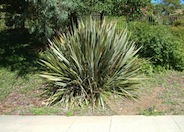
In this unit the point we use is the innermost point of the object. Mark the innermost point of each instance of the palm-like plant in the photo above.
(90, 64)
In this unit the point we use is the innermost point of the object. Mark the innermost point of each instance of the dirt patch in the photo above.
(17, 100)
(147, 100)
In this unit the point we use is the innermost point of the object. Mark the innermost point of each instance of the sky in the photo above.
(158, 1)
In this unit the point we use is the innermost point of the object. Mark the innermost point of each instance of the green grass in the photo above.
(11, 82)
(45, 110)
(166, 79)
(7, 81)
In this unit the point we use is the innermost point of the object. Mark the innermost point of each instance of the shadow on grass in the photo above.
(17, 51)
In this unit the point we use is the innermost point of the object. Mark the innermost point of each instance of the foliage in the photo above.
(120, 21)
(159, 45)
(132, 9)
(169, 6)
(147, 68)
(178, 60)
(87, 66)
(41, 17)
(179, 24)
(18, 51)
(154, 16)
(48, 16)
(89, 6)
(14, 12)
(167, 11)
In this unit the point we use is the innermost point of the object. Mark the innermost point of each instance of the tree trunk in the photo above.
(101, 17)
(73, 21)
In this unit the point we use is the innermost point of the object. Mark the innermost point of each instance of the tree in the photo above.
(169, 6)
(49, 16)
(15, 12)
(95, 7)
(132, 9)
(42, 17)
(167, 10)
(90, 6)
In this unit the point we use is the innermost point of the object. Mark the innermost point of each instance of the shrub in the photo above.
(158, 44)
(147, 67)
(85, 67)
(179, 22)
(178, 59)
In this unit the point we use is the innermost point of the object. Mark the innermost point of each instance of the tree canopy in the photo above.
(15, 12)
(44, 17)
(50, 15)
(169, 6)
(132, 9)
(89, 6)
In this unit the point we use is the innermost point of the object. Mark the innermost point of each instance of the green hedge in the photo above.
(159, 44)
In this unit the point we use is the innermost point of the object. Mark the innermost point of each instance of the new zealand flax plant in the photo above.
(90, 64)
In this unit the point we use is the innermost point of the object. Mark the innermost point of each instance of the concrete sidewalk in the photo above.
(91, 124)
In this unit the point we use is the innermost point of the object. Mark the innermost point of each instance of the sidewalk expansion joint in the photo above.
(110, 124)
(71, 124)
(177, 124)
